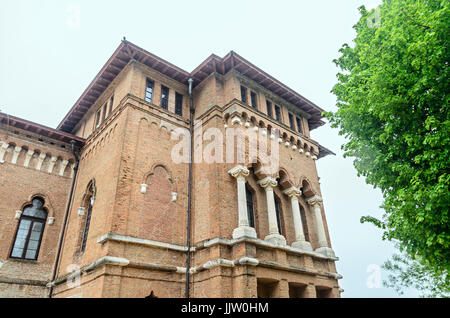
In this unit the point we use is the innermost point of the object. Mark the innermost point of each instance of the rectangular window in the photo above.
(105, 108)
(277, 113)
(178, 104)
(299, 125)
(244, 94)
(97, 118)
(253, 100)
(291, 121)
(111, 102)
(269, 109)
(149, 90)
(164, 97)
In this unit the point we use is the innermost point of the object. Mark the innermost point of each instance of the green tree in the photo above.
(405, 273)
(393, 102)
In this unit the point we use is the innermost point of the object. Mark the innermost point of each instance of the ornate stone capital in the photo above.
(268, 183)
(293, 192)
(239, 172)
(314, 200)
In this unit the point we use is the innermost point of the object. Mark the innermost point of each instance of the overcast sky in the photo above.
(51, 50)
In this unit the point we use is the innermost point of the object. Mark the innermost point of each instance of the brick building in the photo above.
(99, 207)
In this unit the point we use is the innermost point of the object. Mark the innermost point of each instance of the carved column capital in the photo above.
(268, 183)
(239, 172)
(314, 200)
(293, 192)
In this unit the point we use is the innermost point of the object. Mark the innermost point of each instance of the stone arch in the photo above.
(158, 209)
(226, 117)
(284, 179)
(90, 191)
(152, 171)
(292, 140)
(262, 124)
(48, 206)
(306, 187)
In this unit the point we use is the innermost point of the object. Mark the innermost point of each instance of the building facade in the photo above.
(108, 204)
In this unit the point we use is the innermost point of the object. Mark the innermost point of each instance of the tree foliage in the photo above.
(393, 102)
(405, 273)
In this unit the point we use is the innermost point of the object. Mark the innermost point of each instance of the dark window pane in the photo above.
(250, 212)
(299, 126)
(269, 109)
(253, 99)
(277, 113)
(164, 97)
(278, 212)
(111, 102)
(244, 94)
(86, 226)
(105, 108)
(291, 121)
(97, 118)
(149, 91)
(178, 104)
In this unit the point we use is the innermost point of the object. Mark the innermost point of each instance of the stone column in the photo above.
(300, 241)
(315, 202)
(274, 236)
(16, 154)
(243, 229)
(3, 149)
(28, 157)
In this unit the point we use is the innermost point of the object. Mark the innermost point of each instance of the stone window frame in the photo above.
(87, 203)
(48, 215)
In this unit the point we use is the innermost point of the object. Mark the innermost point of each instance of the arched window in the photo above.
(29, 232)
(89, 203)
(278, 211)
(250, 207)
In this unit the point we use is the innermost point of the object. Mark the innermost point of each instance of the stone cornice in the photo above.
(134, 240)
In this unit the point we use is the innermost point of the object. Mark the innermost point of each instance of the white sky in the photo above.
(48, 57)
